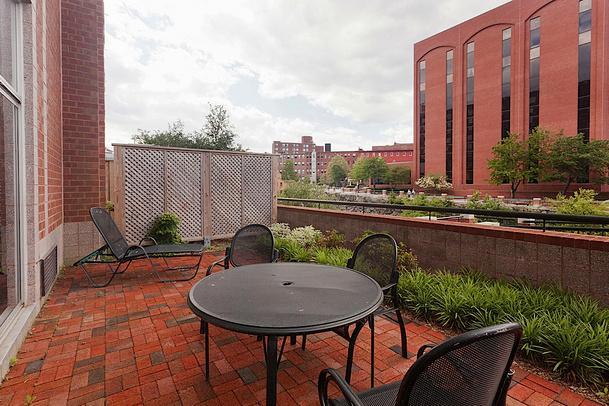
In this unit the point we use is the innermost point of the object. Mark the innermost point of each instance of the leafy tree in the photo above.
(288, 172)
(217, 133)
(513, 163)
(373, 169)
(399, 175)
(337, 170)
(582, 202)
(567, 160)
(174, 136)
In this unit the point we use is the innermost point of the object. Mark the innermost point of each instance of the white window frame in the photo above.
(14, 94)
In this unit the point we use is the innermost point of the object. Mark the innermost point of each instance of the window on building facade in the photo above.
(449, 115)
(534, 53)
(422, 68)
(584, 68)
(469, 101)
(506, 80)
(10, 144)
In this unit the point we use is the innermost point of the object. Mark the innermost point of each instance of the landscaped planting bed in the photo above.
(565, 333)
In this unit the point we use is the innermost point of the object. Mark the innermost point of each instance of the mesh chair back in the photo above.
(467, 370)
(253, 244)
(109, 231)
(376, 256)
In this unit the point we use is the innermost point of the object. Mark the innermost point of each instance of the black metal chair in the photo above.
(252, 244)
(118, 252)
(375, 256)
(470, 369)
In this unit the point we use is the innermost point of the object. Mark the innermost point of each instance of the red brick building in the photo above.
(311, 160)
(51, 149)
(525, 64)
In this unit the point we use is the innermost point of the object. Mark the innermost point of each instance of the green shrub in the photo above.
(566, 332)
(485, 203)
(304, 190)
(581, 203)
(406, 259)
(332, 239)
(424, 201)
(166, 229)
(332, 256)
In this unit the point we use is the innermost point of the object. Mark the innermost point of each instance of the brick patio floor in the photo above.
(137, 341)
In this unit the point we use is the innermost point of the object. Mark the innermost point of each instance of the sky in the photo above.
(339, 70)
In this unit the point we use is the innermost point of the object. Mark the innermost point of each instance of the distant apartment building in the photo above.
(525, 64)
(311, 161)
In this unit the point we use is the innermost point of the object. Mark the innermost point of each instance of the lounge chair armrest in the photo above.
(424, 348)
(328, 375)
(505, 386)
(148, 238)
(221, 262)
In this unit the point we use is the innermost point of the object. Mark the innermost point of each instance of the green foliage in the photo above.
(304, 190)
(510, 163)
(217, 133)
(567, 160)
(338, 169)
(425, 201)
(332, 256)
(166, 229)
(399, 175)
(406, 259)
(567, 333)
(374, 169)
(332, 239)
(109, 206)
(12, 362)
(485, 203)
(581, 203)
(292, 251)
(288, 172)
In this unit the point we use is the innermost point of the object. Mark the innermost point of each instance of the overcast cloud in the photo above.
(338, 70)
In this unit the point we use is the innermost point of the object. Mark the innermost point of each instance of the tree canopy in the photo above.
(217, 133)
(338, 169)
(288, 172)
(399, 175)
(374, 169)
(510, 163)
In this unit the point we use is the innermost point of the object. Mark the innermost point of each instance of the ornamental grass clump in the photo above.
(567, 333)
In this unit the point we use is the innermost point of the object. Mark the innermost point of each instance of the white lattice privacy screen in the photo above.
(213, 193)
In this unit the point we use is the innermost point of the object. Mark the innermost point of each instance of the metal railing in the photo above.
(509, 218)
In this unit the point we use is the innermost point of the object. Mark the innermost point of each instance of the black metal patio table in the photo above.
(281, 300)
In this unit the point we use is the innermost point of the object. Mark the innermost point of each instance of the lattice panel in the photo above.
(184, 192)
(225, 185)
(257, 189)
(144, 190)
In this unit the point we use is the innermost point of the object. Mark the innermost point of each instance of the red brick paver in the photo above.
(137, 342)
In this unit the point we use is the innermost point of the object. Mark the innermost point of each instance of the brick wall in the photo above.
(83, 107)
(575, 262)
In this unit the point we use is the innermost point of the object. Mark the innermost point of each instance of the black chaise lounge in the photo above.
(470, 369)
(116, 252)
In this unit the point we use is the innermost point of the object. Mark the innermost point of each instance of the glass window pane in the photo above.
(535, 38)
(8, 60)
(505, 75)
(507, 48)
(470, 60)
(8, 208)
(584, 62)
(585, 21)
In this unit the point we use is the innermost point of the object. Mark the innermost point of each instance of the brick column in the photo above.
(83, 120)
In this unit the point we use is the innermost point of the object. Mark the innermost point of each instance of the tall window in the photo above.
(506, 75)
(421, 119)
(469, 135)
(449, 115)
(10, 102)
(585, 52)
(534, 47)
